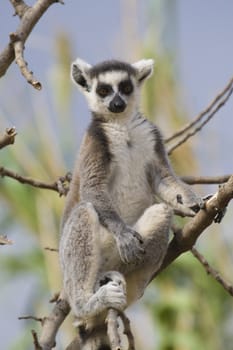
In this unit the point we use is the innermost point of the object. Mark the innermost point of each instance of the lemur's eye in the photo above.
(126, 87)
(104, 90)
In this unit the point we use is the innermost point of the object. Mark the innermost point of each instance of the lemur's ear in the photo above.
(144, 69)
(80, 74)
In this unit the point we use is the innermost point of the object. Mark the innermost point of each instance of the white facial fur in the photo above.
(99, 105)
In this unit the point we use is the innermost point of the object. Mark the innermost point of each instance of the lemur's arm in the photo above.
(169, 187)
(94, 168)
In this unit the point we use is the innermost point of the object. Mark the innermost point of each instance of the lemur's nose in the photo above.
(117, 105)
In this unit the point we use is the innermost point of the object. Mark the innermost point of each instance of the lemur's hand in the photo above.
(188, 203)
(130, 245)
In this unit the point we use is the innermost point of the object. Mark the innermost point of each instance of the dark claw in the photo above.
(195, 208)
(220, 215)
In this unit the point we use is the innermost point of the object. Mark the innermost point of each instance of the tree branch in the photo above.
(198, 128)
(52, 323)
(59, 186)
(211, 271)
(207, 110)
(205, 180)
(185, 238)
(29, 17)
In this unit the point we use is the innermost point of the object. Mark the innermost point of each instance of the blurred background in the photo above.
(191, 42)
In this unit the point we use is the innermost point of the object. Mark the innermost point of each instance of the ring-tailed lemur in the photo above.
(114, 236)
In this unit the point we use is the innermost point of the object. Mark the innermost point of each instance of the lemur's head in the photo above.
(111, 87)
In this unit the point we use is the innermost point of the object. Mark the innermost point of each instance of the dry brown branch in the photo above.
(127, 331)
(205, 180)
(51, 249)
(52, 323)
(38, 319)
(55, 297)
(185, 238)
(35, 341)
(211, 271)
(29, 16)
(20, 61)
(207, 110)
(5, 241)
(59, 186)
(198, 128)
(113, 330)
(8, 138)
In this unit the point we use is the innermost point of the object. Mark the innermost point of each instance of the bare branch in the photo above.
(51, 249)
(205, 180)
(29, 17)
(20, 61)
(211, 271)
(35, 341)
(127, 331)
(8, 138)
(185, 238)
(52, 323)
(38, 319)
(20, 7)
(112, 329)
(198, 118)
(59, 186)
(198, 128)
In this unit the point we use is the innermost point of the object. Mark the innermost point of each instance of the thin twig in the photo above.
(211, 271)
(127, 331)
(198, 118)
(38, 319)
(8, 138)
(197, 129)
(29, 17)
(51, 249)
(59, 186)
(35, 341)
(20, 61)
(205, 180)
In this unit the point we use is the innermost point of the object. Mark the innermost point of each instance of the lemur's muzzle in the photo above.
(117, 105)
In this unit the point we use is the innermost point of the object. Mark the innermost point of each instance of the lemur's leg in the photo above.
(154, 227)
(81, 259)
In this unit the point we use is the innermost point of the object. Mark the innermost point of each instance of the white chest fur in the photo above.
(132, 147)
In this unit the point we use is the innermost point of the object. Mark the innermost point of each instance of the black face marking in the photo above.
(117, 105)
(114, 65)
(105, 280)
(104, 90)
(126, 87)
(104, 347)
